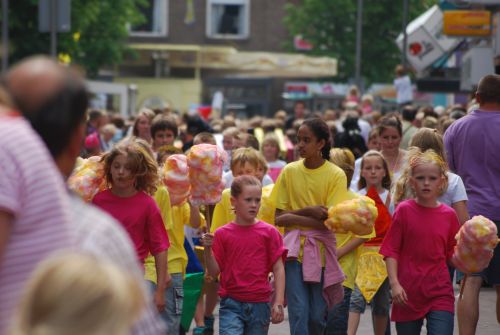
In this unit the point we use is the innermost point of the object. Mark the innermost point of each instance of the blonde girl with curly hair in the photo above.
(132, 176)
(418, 247)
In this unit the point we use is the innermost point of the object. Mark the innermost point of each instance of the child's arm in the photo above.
(194, 216)
(398, 292)
(210, 261)
(350, 246)
(310, 217)
(460, 208)
(277, 313)
(163, 279)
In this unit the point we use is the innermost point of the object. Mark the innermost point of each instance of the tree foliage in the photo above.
(98, 32)
(330, 25)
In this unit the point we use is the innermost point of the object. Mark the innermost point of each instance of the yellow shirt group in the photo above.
(223, 213)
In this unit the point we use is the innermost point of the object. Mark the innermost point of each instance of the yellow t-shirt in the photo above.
(174, 218)
(223, 213)
(349, 262)
(298, 187)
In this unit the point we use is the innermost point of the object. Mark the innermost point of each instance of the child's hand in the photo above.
(318, 212)
(277, 313)
(207, 239)
(159, 300)
(399, 294)
(168, 280)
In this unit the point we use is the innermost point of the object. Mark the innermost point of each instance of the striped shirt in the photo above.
(32, 190)
(97, 233)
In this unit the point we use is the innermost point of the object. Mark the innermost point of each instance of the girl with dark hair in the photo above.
(303, 192)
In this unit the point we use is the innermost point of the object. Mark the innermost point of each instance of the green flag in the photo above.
(192, 289)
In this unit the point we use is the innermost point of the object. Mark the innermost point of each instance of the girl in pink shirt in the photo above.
(131, 175)
(243, 253)
(417, 248)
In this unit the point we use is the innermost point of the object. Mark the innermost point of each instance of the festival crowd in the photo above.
(146, 225)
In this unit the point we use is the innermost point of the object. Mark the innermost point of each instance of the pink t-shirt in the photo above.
(246, 255)
(140, 217)
(422, 240)
(32, 191)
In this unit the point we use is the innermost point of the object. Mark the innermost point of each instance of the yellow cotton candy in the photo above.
(356, 215)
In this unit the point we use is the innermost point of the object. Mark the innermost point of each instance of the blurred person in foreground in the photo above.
(57, 112)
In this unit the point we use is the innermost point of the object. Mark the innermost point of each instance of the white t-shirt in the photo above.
(403, 89)
(455, 192)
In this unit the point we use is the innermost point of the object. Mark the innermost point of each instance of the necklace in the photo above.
(392, 166)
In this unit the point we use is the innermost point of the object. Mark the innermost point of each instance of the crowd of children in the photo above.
(265, 245)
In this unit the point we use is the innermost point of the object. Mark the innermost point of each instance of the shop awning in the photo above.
(247, 63)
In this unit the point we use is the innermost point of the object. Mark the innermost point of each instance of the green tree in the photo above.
(98, 32)
(330, 25)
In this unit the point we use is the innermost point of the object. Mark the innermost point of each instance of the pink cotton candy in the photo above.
(176, 178)
(205, 173)
(476, 240)
(87, 178)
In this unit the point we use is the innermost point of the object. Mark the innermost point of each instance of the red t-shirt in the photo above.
(246, 255)
(422, 240)
(141, 217)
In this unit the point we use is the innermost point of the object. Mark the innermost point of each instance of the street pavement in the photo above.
(487, 319)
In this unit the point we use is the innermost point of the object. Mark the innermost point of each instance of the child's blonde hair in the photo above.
(386, 181)
(427, 138)
(345, 160)
(271, 139)
(416, 157)
(78, 295)
(142, 165)
(246, 155)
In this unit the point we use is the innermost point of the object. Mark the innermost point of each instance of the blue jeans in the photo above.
(243, 318)
(307, 308)
(438, 323)
(174, 299)
(338, 316)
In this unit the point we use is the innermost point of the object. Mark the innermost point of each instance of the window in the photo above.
(155, 24)
(228, 18)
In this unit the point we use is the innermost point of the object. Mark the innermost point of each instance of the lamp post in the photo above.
(359, 28)
(405, 35)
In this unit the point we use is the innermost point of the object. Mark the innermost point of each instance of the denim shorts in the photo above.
(380, 303)
(243, 318)
(174, 299)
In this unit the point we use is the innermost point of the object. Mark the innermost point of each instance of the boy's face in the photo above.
(228, 142)
(245, 169)
(163, 137)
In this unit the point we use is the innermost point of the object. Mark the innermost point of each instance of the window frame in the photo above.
(246, 18)
(164, 23)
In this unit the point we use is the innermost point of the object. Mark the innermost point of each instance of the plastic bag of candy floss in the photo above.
(356, 215)
(175, 176)
(87, 178)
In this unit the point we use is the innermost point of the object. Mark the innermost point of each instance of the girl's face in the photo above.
(373, 171)
(390, 139)
(308, 144)
(246, 205)
(143, 127)
(426, 181)
(270, 152)
(121, 174)
(246, 169)
(374, 143)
